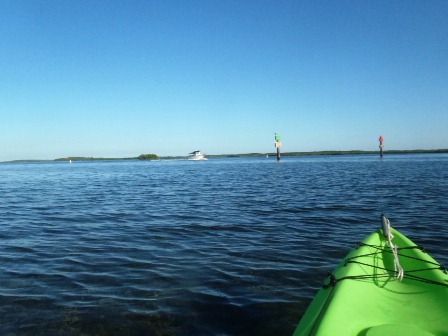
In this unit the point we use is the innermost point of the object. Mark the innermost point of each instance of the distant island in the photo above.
(80, 158)
(85, 158)
(150, 157)
(89, 158)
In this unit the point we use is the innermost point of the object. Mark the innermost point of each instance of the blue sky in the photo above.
(122, 78)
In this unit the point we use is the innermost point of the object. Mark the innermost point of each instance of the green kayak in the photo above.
(386, 286)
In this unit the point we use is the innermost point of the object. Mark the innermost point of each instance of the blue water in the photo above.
(219, 247)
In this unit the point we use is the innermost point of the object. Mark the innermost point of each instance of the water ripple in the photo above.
(223, 247)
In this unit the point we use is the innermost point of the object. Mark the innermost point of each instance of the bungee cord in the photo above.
(398, 271)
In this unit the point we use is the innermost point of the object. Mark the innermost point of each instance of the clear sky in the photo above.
(121, 78)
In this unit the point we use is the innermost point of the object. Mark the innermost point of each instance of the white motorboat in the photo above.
(196, 155)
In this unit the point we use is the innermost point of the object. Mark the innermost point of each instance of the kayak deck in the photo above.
(363, 297)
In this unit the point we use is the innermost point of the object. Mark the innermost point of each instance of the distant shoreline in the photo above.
(350, 152)
(315, 153)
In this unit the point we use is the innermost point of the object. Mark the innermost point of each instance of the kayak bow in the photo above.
(386, 286)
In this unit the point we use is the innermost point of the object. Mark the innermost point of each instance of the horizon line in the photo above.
(302, 153)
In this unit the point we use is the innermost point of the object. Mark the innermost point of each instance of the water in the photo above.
(219, 247)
